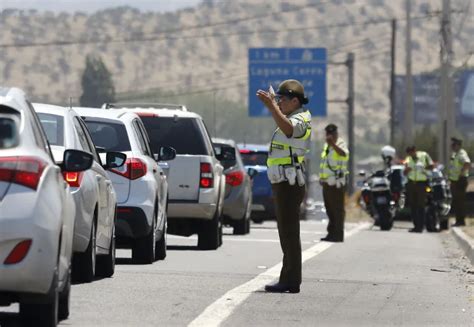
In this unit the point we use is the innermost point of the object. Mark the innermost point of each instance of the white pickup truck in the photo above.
(196, 179)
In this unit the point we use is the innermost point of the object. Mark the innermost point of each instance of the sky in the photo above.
(94, 5)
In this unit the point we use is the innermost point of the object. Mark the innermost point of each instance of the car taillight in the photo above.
(132, 169)
(24, 171)
(244, 151)
(366, 198)
(18, 253)
(74, 179)
(396, 196)
(234, 178)
(207, 178)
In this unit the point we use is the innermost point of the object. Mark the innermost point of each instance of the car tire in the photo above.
(42, 314)
(160, 252)
(64, 298)
(144, 250)
(210, 235)
(241, 225)
(83, 264)
(106, 263)
(444, 224)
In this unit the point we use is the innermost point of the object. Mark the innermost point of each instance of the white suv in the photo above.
(197, 182)
(141, 184)
(93, 193)
(36, 215)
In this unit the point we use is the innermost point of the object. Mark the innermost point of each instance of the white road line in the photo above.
(216, 313)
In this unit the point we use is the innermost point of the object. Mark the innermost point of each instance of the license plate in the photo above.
(381, 200)
(258, 207)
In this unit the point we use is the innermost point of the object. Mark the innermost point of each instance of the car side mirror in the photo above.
(76, 160)
(166, 153)
(115, 160)
(252, 172)
(226, 153)
(362, 173)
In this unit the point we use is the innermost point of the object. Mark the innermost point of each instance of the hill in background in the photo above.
(200, 54)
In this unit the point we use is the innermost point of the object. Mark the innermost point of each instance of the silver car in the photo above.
(238, 191)
(93, 192)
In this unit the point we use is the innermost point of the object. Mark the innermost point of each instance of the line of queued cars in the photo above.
(77, 183)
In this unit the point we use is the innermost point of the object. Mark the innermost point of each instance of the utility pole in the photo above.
(447, 124)
(409, 117)
(350, 119)
(392, 83)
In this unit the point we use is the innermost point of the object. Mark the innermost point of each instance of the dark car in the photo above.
(255, 156)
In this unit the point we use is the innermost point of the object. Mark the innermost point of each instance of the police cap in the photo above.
(294, 89)
(331, 128)
(456, 141)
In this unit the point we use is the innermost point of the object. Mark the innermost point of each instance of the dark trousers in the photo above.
(334, 203)
(288, 200)
(416, 197)
(458, 191)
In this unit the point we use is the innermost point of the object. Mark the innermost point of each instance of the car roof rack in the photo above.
(144, 106)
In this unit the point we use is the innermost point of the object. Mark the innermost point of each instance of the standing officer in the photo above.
(416, 165)
(289, 144)
(458, 172)
(332, 177)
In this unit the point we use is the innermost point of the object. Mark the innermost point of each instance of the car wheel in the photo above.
(210, 235)
(64, 298)
(106, 263)
(143, 251)
(161, 247)
(240, 226)
(45, 313)
(444, 224)
(83, 264)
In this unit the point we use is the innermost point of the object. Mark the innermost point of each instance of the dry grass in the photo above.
(354, 213)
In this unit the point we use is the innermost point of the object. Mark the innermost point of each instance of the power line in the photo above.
(212, 35)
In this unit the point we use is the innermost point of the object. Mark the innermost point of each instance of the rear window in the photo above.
(254, 158)
(183, 134)
(9, 136)
(110, 136)
(226, 163)
(53, 126)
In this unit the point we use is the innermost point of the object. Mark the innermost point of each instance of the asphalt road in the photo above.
(374, 278)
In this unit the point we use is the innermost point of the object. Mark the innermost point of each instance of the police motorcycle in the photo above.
(383, 192)
(438, 201)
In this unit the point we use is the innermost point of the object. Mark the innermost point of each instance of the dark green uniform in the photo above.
(333, 179)
(416, 187)
(458, 180)
(288, 198)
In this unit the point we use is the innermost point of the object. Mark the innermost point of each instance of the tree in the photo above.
(97, 85)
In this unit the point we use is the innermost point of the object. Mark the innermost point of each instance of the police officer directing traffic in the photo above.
(332, 177)
(458, 173)
(417, 164)
(289, 144)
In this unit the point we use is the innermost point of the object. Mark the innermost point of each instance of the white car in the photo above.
(141, 184)
(36, 214)
(93, 193)
(197, 181)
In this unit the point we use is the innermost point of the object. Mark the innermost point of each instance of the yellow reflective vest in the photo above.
(282, 148)
(456, 164)
(332, 164)
(418, 166)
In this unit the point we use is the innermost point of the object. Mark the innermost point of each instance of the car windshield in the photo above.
(110, 136)
(254, 158)
(9, 137)
(53, 126)
(183, 134)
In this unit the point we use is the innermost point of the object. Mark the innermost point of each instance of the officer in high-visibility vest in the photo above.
(289, 144)
(417, 164)
(333, 176)
(458, 173)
